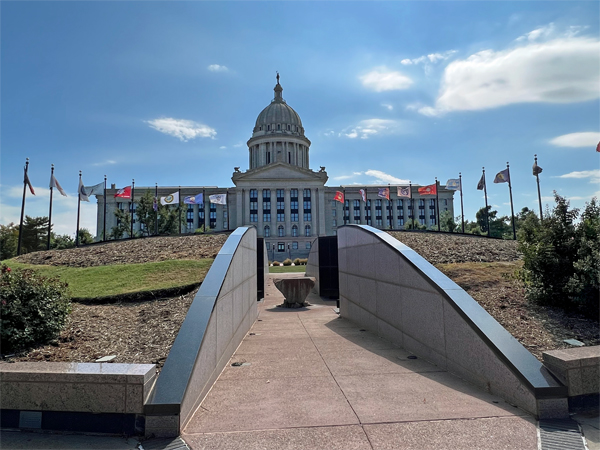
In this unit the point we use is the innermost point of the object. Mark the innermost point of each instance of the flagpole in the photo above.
(537, 177)
(22, 207)
(344, 207)
(462, 212)
(487, 214)
(412, 204)
(156, 212)
(104, 218)
(512, 211)
(50, 212)
(389, 208)
(179, 206)
(78, 212)
(204, 207)
(132, 197)
(437, 203)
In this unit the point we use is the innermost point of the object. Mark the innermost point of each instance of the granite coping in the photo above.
(573, 357)
(77, 372)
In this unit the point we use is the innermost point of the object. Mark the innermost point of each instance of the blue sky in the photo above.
(168, 93)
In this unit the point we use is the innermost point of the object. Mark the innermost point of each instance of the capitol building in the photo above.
(288, 202)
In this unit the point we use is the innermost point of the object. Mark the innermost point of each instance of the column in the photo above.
(195, 217)
(239, 210)
(313, 209)
(300, 211)
(288, 214)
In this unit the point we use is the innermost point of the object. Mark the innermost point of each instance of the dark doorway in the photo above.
(260, 268)
(329, 283)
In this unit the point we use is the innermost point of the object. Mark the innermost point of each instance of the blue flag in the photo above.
(453, 184)
(197, 199)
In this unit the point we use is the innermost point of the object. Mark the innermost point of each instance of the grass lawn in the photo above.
(101, 281)
(284, 269)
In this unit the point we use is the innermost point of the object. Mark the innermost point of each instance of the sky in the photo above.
(388, 92)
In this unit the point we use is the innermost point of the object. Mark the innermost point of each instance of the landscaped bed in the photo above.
(143, 331)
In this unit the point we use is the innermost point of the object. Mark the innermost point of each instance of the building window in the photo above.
(390, 213)
(281, 246)
(294, 245)
(201, 213)
(308, 246)
(280, 205)
(253, 205)
(294, 230)
(294, 205)
(268, 127)
(288, 127)
(334, 223)
(307, 205)
(212, 216)
(278, 127)
(307, 230)
(333, 212)
(378, 213)
(190, 218)
(280, 231)
(266, 205)
(368, 212)
(289, 158)
(356, 211)
(268, 157)
(267, 232)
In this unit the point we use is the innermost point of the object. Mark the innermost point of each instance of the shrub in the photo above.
(304, 261)
(33, 308)
(297, 262)
(287, 262)
(276, 263)
(561, 257)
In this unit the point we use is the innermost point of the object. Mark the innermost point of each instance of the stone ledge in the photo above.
(578, 368)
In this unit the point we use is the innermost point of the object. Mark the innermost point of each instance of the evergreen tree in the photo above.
(9, 236)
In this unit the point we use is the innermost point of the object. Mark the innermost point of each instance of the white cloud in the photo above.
(583, 139)
(539, 33)
(370, 127)
(343, 177)
(431, 58)
(383, 79)
(108, 162)
(384, 178)
(388, 106)
(222, 147)
(217, 68)
(329, 133)
(238, 145)
(594, 175)
(182, 129)
(563, 70)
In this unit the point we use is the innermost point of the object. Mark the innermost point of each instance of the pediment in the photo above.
(278, 171)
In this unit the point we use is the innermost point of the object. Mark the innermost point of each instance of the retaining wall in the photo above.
(221, 314)
(389, 289)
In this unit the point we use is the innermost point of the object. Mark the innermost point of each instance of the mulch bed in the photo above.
(143, 332)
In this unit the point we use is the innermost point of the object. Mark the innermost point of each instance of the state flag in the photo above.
(171, 199)
(502, 176)
(404, 191)
(82, 192)
(598, 147)
(28, 183)
(453, 184)
(384, 193)
(481, 183)
(155, 204)
(536, 169)
(219, 199)
(363, 194)
(55, 184)
(339, 196)
(124, 192)
(97, 189)
(428, 190)
(197, 199)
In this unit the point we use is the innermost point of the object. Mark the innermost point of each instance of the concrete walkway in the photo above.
(312, 380)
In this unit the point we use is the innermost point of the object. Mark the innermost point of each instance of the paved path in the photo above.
(316, 381)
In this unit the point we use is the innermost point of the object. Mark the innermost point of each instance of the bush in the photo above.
(33, 308)
(287, 262)
(276, 263)
(297, 262)
(304, 261)
(561, 257)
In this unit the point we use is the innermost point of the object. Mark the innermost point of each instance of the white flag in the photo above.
(55, 184)
(172, 199)
(83, 196)
(219, 199)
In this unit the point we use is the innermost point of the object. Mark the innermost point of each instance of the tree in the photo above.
(35, 234)
(123, 224)
(499, 226)
(561, 257)
(9, 236)
(85, 236)
(447, 222)
(168, 216)
(61, 241)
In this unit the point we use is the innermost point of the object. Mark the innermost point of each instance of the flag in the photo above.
(171, 199)
(55, 184)
(481, 183)
(428, 190)
(404, 191)
(97, 189)
(363, 194)
(155, 204)
(502, 177)
(384, 193)
(28, 183)
(453, 184)
(197, 199)
(82, 192)
(124, 192)
(536, 169)
(339, 196)
(598, 147)
(219, 199)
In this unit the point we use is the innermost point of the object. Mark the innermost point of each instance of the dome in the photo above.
(279, 116)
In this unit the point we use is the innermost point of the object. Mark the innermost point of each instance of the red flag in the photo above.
(339, 196)
(124, 192)
(428, 190)
(598, 147)
(28, 183)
